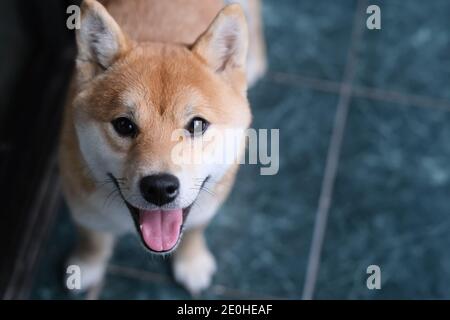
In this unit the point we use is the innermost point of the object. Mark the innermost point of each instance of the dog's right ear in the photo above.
(100, 40)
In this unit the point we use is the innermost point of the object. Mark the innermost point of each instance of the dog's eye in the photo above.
(125, 127)
(197, 126)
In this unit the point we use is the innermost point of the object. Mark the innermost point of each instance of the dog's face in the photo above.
(139, 106)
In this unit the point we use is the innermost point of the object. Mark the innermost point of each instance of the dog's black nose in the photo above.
(160, 189)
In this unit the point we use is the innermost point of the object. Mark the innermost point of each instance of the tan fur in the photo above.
(161, 69)
(173, 21)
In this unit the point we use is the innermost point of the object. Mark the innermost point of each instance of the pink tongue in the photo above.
(161, 229)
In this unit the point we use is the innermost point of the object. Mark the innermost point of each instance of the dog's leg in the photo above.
(193, 264)
(92, 254)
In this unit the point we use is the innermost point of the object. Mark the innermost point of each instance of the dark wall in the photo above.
(36, 57)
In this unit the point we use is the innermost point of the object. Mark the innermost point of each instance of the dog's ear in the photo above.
(100, 40)
(223, 46)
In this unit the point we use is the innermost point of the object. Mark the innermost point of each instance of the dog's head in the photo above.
(136, 103)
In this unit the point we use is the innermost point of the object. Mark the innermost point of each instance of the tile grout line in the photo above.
(299, 80)
(400, 98)
(360, 91)
(137, 273)
(333, 154)
(152, 277)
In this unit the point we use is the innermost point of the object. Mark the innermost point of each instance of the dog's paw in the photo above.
(91, 273)
(195, 272)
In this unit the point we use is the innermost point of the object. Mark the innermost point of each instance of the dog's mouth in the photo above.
(160, 230)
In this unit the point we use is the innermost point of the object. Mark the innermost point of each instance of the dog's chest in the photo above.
(104, 210)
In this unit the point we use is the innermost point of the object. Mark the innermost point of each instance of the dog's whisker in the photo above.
(110, 197)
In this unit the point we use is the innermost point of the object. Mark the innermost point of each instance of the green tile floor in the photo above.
(389, 204)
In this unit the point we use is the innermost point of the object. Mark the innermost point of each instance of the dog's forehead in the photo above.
(162, 80)
(182, 100)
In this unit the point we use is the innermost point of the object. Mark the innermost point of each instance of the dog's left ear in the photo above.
(223, 46)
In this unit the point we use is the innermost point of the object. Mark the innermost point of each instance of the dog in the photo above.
(144, 69)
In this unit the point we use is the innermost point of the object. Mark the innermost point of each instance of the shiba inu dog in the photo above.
(145, 69)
